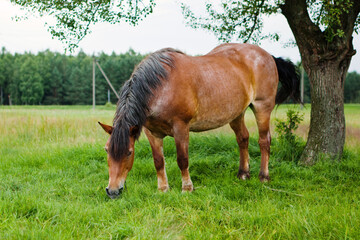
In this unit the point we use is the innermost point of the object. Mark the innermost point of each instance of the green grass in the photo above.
(53, 175)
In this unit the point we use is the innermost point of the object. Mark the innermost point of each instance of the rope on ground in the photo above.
(278, 190)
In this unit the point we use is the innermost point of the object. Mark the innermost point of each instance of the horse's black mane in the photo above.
(132, 107)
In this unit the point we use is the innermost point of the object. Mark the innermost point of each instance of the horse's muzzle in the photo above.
(114, 193)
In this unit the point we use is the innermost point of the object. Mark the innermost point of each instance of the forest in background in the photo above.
(51, 78)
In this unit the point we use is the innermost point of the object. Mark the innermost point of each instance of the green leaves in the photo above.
(289, 146)
(232, 20)
(74, 18)
(229, 20)
(243, 20)
(286, 129)
(357, 25)
(329, 16)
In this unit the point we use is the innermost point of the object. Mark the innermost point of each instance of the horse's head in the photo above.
(118, 168)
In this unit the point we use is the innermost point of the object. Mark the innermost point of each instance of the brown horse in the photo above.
(171, 93)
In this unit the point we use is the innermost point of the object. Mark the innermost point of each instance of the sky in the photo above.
(165, 27)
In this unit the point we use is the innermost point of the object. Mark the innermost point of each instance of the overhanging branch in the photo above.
(255, 20)
(307, 34)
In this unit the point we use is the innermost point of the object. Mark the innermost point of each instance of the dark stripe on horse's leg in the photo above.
(181, 135)
(242, 138)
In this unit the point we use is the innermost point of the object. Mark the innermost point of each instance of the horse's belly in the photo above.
(216, 116)
(217, 106)
(206, 125)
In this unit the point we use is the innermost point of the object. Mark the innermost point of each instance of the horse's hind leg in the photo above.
(262, 111)
(159, 160)
(242, 138)
(181, 135)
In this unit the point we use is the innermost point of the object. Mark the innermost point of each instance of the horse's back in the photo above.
(212, 90)
(257, 60)
(240, 52)
(229, 79)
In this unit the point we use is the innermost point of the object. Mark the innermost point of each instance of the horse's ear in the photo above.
(107, 128)
(134, 131)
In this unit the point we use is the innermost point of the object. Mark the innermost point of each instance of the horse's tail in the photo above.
(289, 79)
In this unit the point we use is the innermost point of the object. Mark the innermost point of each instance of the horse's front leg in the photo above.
(181, 135)
(159, 160)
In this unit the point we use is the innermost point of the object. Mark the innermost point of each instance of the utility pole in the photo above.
(95, 62)
(108, 81)
(94, 82)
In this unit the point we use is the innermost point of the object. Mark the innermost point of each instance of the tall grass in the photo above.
(53, 174)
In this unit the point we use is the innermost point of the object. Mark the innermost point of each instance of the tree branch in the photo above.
(88, 24)
(309, 37)
(255, 19)
(349, 18)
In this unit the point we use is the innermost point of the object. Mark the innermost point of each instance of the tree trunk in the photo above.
(327, 125)
(326, 63)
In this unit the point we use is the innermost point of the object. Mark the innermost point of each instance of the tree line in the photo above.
(51, 78)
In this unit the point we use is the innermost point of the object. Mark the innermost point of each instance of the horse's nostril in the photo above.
(114, 193)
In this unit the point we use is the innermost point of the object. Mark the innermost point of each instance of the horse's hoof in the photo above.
(264, 178)
(243, 175)
(187, 188)
(163, 189)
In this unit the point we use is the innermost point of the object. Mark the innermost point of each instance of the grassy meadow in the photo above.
(53, 174)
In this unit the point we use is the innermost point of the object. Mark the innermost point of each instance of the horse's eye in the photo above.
(105, 148)
(129, 153)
